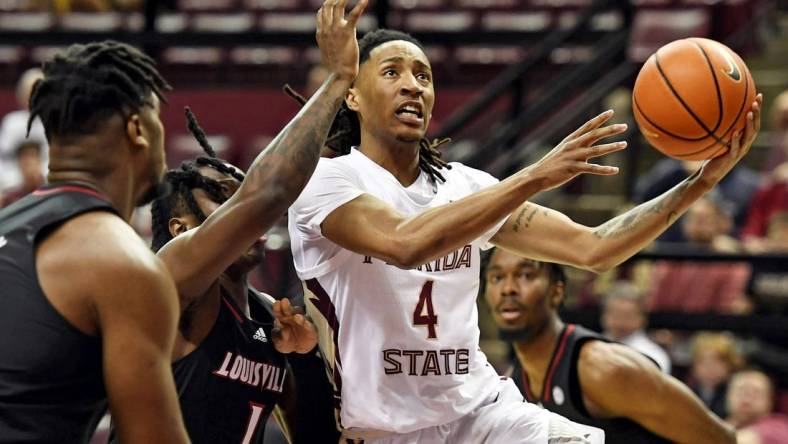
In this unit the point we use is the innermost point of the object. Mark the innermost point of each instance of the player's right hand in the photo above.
(336, 37)
(570, 157)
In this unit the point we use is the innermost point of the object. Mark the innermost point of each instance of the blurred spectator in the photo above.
(750, 402)
(65, 6)
(770, 199)
(715, 356)
(737, 188)
(28, 157)
(674, 284)
(778, 153)
(768, 287)
(13, 133)
(624, 320)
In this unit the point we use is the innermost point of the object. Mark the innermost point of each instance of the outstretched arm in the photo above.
(661, 403)
(369, 226)
(540, 233)
(278, 174)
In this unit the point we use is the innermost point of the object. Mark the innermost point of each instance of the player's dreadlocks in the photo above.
(86, 84)
(183, 180)
(345, 131)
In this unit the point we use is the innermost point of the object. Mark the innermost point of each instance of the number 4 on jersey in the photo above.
(430, 319)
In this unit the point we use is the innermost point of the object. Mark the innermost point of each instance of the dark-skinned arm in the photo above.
(663, 405)
(278, 175)
(540, 233)
(366, 225)
(133, 308)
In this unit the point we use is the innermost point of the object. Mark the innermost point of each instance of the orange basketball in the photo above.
(691, 96)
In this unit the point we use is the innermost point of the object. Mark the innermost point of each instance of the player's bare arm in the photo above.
(367, 225)
(126, 296)
(278, 174)
(617, 381)
(547, 235)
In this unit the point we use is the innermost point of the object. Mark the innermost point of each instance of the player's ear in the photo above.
(134, 131)
(351, 100)
(178, 225)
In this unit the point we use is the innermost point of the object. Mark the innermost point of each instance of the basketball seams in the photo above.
(659, 127)
(722, 143)
(683, 103)
(663, 130)
(720, 110)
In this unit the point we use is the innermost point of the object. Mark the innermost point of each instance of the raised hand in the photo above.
(570, 157)
(715, 169)
(292, 331)
(336, 37)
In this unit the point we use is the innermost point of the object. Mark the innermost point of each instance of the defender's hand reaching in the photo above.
(336, 37)
(292, 331)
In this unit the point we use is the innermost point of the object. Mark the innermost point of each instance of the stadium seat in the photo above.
(93, 21)
(28, 21)
(272, 55)
(654, 28)
(516, 21)
(237, 22)
(301, 22)
(444, 21)
(207, 5)
(172, 22)
(272, 5)
(419, 5)
(13, 5)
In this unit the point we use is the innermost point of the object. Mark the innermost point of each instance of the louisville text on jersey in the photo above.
(256, 374)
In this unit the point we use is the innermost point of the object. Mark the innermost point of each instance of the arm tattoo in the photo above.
(289, 160)
(642, 214)
(518, 222)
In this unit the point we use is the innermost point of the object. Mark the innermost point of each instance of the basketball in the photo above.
(691, 96)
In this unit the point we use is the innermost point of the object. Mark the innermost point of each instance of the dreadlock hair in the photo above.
(345, 131)
(86, 84)
(183, 180)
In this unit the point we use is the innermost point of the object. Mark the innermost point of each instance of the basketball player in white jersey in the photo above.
(387, 242)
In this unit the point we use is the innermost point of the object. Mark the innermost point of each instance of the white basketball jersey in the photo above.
(402, 345)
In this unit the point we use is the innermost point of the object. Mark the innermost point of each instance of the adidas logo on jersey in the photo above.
(260, 335)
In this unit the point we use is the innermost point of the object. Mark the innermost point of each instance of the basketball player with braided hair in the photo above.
(229, 357)
(89, 313)
(389, 255)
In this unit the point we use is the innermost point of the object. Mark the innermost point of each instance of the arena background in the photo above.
(512, 78)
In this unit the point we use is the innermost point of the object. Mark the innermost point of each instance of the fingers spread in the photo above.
(594, 123)
(592, 137)
(338, 11)
(601, 150)
(602, 170)
(354, 15)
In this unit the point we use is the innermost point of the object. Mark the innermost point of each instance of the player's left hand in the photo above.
(292, 332)
(715, 169)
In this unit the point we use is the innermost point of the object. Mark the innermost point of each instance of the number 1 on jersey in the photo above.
(430, 319)
(253, 422)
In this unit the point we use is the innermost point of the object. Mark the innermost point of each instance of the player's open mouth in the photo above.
(410, 113)
(510, 313)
